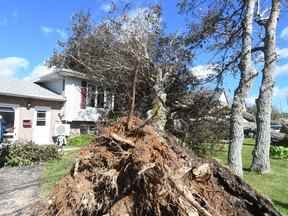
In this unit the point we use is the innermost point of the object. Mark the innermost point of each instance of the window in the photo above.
(63, 85)
(100, 98)
(91, 96)
(41, 118)
(84, 84)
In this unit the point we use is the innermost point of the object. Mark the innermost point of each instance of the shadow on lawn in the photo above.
(248, 144)
(281, 204)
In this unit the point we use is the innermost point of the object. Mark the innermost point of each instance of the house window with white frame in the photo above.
(91, 96)
(41, 118)
(95, 97)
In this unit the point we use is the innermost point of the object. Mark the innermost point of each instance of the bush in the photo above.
(279, 152)
(3, 155)
(29, 154)
(206, 137)
(81, 140)
(199, 121)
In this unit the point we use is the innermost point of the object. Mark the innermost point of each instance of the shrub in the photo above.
(3, 155)
(279, 152)
(29, 154)
(206, 137)
(199, 122)
(113, 116)
(81, 140)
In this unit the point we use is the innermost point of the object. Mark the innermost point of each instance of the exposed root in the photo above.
(136, 172)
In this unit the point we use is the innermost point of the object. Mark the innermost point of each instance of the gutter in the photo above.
(34, 97)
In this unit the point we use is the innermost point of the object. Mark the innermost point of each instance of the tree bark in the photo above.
(261, 162)
(248, 72)
(132, 99)
(159, 105)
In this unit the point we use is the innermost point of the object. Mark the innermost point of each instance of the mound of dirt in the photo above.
(138, 172)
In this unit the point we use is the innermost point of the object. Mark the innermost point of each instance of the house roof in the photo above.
(56, 73)
(27, 89)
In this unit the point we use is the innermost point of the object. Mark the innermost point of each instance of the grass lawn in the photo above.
(274, 185)
(55, 169)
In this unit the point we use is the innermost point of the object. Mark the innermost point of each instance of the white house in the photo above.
(40, 110)
(28, 112)
(85, 102)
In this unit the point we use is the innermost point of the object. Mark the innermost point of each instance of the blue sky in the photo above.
(29, 30)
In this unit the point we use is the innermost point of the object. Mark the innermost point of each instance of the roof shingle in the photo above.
(23, 88)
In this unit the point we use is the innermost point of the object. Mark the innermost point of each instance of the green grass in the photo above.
(273, 185)
(81, 140)
(54, 170)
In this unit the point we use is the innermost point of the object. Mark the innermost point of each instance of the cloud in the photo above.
(281, 70)
(280, 92)
(106, 7)
(250, 101)
(38, 71)
(203, 71)
(284, 33)
(11, 65)
(60, 32)
(46, 29)
(282, 53)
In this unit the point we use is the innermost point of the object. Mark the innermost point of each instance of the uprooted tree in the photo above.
(143, 173)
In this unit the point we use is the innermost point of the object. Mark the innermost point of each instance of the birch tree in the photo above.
(248, 72)
(261, 162)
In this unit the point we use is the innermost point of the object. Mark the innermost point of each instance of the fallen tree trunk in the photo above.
(249, 117)
(279, 139)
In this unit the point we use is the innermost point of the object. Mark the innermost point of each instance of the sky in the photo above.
(30, 29)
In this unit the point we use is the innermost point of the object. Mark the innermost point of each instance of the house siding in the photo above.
(54, 85)
(22, 134)
(73, 111)
(79, 117)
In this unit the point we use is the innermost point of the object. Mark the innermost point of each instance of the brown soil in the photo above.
(138, 172)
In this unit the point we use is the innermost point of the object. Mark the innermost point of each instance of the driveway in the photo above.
(19, 188)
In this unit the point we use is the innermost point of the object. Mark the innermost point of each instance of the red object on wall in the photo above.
(27, 124)
(83, 97)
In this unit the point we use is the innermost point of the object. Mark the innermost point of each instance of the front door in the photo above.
(41, 126)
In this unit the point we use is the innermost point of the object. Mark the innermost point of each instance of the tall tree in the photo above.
(248, 72)
(261, 162)
(227, 28)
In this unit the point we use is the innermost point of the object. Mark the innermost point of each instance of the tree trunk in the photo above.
(261, 162)
(132, 98)
(159, 111)
(248, 72)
